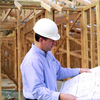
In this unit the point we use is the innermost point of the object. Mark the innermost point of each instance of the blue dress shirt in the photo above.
(40, 71)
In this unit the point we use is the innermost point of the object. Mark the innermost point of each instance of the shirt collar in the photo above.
(35, 48)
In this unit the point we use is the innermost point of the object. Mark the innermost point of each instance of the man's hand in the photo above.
(84, 70)
(67, 97)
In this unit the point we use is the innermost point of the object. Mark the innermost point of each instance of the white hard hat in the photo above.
(47, 28)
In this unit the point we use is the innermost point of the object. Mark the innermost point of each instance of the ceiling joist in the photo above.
(40, 4)
(55, 6)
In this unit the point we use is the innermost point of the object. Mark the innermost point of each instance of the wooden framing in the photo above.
(0, 69)
(67, 34)
(19, 53)
(9, 10)
(79, 45)
(92, 37)
(98, 30)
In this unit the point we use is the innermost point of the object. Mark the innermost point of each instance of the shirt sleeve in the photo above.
(63, 73)
(34, 81)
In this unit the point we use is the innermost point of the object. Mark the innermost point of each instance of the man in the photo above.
(40, 69)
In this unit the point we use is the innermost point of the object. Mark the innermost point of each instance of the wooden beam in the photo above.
(75, 20)
(19, 54)
(6, 15)
(71, 9)
(35, 3)
(23, 7)
(32, 11)
(34, 21)
(65, 35)
(44, 5)
(71, 53)
(8, 26)
(12, 13)
(49, 14)
(71, 38)
(74, 54)
(15, 56)
(8, 49)
(25, 41)
(8, 87)
(39, 13)
(83, 2)
(68, 3)
(4, 75)
(0, 69)
(6, 2)
(7, 7)
(7, 57)
(55, 6)
(7, 39)
(68, 43)
(91, 5)
(33, 7)
(98, 31)
(84, 41)
(8, 22)
(92, 35)
(28, 3)
(10, 77)
(18, 5)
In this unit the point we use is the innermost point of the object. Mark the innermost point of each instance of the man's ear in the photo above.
(41, 40)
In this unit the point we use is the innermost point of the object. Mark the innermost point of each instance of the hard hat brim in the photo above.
(56, 37)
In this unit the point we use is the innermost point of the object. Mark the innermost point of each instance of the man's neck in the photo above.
(37, 44)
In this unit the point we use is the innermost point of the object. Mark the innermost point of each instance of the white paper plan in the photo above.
(85, 86)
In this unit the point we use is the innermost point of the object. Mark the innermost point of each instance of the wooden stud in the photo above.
(0, 69)
(19, 55)
(98, 31)
(15, 57)
(49, 15)
(68, 42)
(34, 21)
(84, 41)
(92, 37)
(25, 43)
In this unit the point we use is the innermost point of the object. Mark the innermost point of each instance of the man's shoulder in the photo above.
(51, 55)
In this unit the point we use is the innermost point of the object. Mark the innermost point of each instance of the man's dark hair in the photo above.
(37, 37)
